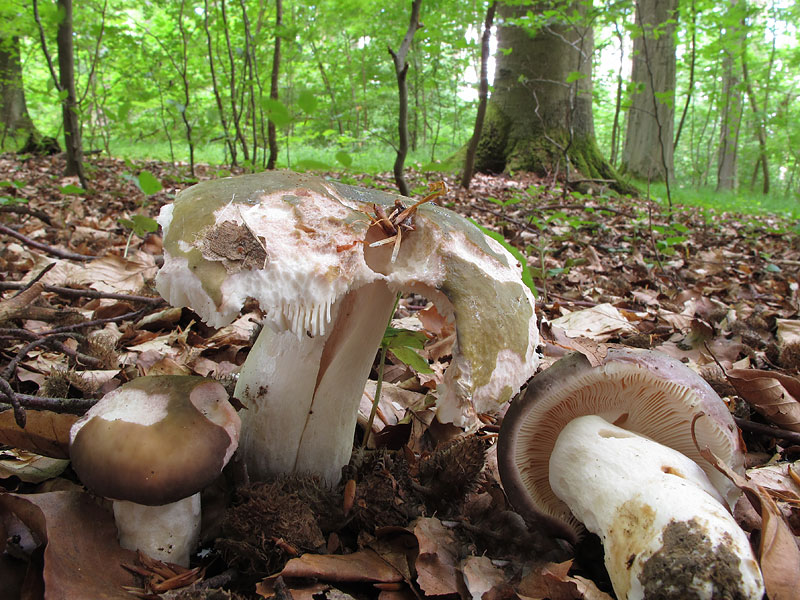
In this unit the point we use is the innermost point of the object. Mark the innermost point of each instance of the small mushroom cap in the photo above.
(297, 244)
(156, 439)
(644, 391)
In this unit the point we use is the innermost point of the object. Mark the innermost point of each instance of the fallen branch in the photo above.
(27, 210)
(768, 430)
(44, 247)
(83, 293)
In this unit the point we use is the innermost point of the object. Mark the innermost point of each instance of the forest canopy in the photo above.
(202, 80)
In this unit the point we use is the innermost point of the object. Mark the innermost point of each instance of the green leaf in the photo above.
(139, 224)
(148, 183)
(410, 357)
(71, 189)
(344, 158)
(397, 338)
(277, 112)
(575, 76)
(307, 101)
(7, 200)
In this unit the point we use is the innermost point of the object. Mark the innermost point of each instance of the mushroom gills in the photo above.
(663, 525)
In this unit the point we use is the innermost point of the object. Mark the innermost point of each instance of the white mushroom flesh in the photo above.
(168, 533)
(663, 525)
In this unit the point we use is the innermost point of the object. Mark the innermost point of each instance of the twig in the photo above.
(81, 293)
(39, 246)
(27, 210)
(74, 406)
(19, 413)
(768, 430)
(24, 334)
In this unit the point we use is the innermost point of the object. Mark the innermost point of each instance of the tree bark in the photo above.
(16, 121)
(231, 144)
(273, 90)
(648, 150)
(539, 117)
(731, 106)
(401, 70)
(483, 92)
(66, 73)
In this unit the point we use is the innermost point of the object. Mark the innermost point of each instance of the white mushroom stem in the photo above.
(662, 523)
(169, 532)
(302, 393)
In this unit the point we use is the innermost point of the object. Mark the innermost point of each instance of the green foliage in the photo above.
(404, 343)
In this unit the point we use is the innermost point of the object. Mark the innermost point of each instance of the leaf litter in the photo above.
(80, 316)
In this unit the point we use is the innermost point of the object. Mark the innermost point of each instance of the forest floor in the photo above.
(79, 316)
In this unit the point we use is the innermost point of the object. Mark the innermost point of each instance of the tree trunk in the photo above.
(540, 112)
(731, 106)
(401, 70)
(272, 133)
(14, 115)
(483, 92)
(761, 131)
(648, 151)
(66, 72)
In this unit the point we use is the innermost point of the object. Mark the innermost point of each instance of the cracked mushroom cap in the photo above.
(298, 243)
(643, 391)
(156, 439)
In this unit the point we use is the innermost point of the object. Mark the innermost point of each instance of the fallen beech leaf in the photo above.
(364, 565)
(82, 558)
(773, 395)
(437, 570)
(788, 331)
(46, 432)
(779, 555)
(300, 590)
(480, 575)
(553, 582)
(30, 467)
(598, 323)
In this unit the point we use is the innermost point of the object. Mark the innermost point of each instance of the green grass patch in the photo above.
(352, 159)
(741, 201)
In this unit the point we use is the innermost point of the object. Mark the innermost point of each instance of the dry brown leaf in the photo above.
(779, 555)
(46, 432)
(552, 581)
(30, 467)
(480, 575)
(598, 323)
(437, 563)
(774, 395)
(82, 558)
(364, 565)
(788, 331)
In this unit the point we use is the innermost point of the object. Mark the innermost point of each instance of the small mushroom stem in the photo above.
(302, 393)
(169, 532)
(663, 525)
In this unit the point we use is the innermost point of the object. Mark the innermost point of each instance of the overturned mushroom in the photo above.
(610, 447)
(151, 446)
(309, 252)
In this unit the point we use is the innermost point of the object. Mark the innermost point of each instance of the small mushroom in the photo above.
(311, 255)
(610, 448)
(151, 446)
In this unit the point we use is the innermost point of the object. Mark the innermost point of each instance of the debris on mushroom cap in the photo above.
(298, 243)
(155, 439)
(640, 390)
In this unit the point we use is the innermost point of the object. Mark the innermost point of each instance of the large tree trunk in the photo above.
(16, 121)
(273, 88)
(540, 111)
(66, 72)
(648, 151)
(730, 103)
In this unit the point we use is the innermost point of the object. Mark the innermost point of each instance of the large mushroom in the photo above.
(151, 446)
(311, 253)
(613, 447)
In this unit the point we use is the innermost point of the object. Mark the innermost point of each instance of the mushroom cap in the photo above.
(298, 243)
(156, 439)
(643, 391)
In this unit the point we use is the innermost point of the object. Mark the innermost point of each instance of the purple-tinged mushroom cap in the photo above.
(643, 391)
